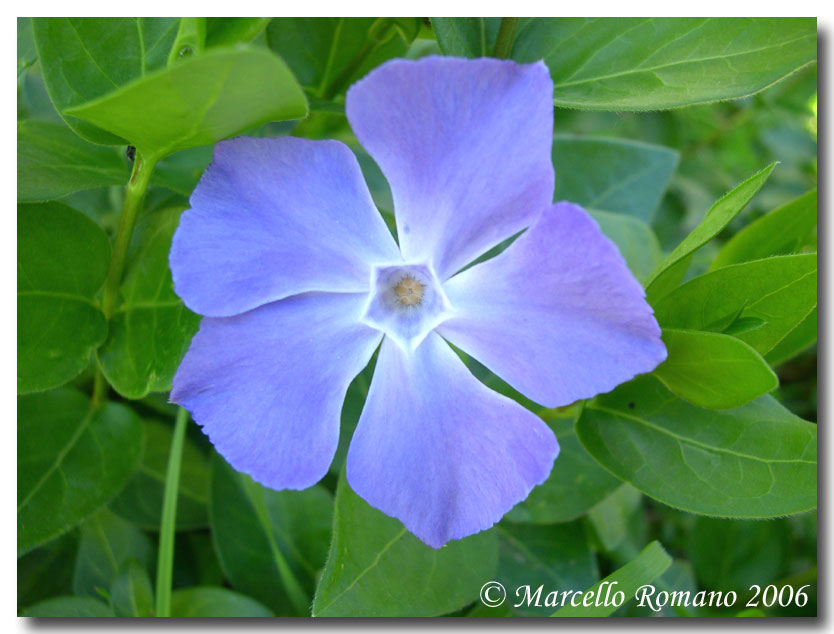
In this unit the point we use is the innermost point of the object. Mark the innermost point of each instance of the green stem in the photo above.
(167, 526)
(504, 41)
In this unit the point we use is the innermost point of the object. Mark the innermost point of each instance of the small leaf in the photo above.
(576, 483)
(653, 63)
(149, 311)
(131, 593)
(788, 229)
(271, 544)
(713, 370)
(650, 564)
(71, 460)
(613, 175)
(556, 556)
(329, 54)
(107, 544)
(53, 162)
(779, 293)
(141, 500)
(466, 37)
(367, 574)
(198, 101)
(207, 601)
(671, 271)
(64, 607)
(86, 58)
(62, 260)
(755, 461)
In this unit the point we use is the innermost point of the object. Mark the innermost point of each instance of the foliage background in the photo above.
(91, 479)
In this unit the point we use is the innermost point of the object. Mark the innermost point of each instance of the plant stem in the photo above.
(136, 187)
(504, 41)
(167, 526)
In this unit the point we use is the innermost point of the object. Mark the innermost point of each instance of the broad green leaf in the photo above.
(635, 240)
(576, 483)
(228, 31)
(329, 54)
(788, 229)
(756, 461)
(47, 571)
(713, 370)
(131, 593)
(733, 554)
(198, 101)
(653, 63)
(62, 260)
(556, 556)
(760, 302)
(377, 568)
(63, 607)
(671, 271)
(107, 543)
(466, 37)
(650, 564)
(206, 601)
(614, 175)
(86, 58)
(610, 518)
(797, 340)
(53, 161)
(149, 311)
(141, 500)
(71, 459)
(26, 53)
(271, 544)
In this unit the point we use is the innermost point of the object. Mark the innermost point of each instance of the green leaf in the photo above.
(650, 564)
(466, 37)
(575, 484)
(82, 607)
(797, 340)
(271, 544)
(653, 63)
(26, 53)
(755, 461)
(62, 260)
(198, 101)
(47, 571)
(228, 31)
(733, 555)
(614, 175)
(671, 271)
(713, 370)
(141, 500)
(72, 459)
(131, 593)
(53, 161)
(635, 240)
(377, 568)
(329, 54)
(609, 518)
(149, 311)
(107, 544)
(788, 229)
(206, 601)
(775, 296)
(86, 58)
(555, 556)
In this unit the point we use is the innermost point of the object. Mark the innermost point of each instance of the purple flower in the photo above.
(299, 280)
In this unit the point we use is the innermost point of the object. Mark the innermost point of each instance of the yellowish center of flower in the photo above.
(408, 291)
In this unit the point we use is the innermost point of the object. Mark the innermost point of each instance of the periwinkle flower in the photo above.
(300, 282)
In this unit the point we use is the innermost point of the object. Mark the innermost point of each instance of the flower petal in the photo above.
(465, 146)
(268, 386)
(277, 217)
(558, 315)
(440, 451)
